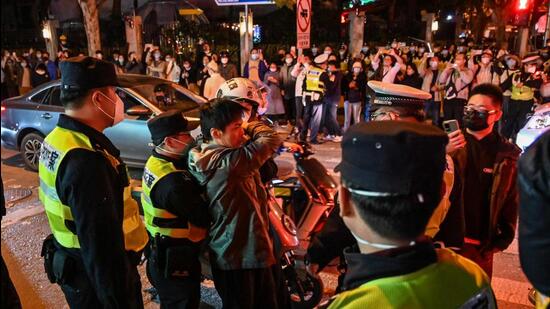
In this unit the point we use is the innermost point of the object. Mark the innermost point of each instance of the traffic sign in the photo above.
(303, 23)
(244, 2)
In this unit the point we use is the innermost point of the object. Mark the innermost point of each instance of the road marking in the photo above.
(21, 214)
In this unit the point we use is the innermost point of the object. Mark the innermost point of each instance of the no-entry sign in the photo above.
(303, 23)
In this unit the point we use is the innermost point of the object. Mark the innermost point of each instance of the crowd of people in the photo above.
(448, 72)
(419, 232)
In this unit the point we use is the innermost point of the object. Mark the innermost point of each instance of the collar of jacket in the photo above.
(505, 150)
(363, 268)
(98, 139)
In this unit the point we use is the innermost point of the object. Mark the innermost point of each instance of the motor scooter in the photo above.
(299, 207)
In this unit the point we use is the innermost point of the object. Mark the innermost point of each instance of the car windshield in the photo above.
(165, 95)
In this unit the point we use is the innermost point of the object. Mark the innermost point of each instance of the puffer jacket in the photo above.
(239, 235)
(503, 209)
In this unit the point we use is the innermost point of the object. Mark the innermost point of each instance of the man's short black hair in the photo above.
(218, 114)
(490, 91)
(73, 98)
(397, 217)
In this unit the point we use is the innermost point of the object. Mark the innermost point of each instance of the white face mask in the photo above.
(364, 49)
(273, 69)
(421, 50)
(393, 45)
(119, 109)
(328, 52)
(356, 70)
(288, 60)
(254, 56)
(314, 50)
(375, 245)
(23, 64)
(434, 64)
(511, 63)
(162, 148)
(157, 56)
(225, 60)
(485, 60)
(531, 69)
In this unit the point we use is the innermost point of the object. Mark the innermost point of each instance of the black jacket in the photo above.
(93, 189)
(503, 208)
(534, 213)
(358, 93)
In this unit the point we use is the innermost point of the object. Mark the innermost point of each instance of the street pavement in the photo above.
(25, 226)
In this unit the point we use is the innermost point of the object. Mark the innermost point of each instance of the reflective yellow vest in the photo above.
(524, 93)
(313, 80)
(155, 170)
(54, 148)
(449, 283)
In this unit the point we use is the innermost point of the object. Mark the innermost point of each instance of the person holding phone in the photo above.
(430, 70)
(457, 78)
(256, 67)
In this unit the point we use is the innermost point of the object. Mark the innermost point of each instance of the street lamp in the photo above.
(449, 17)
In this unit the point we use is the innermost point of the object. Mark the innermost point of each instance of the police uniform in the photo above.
(415, 275)
(97, 233)
(335, 236)
(314, 91)
(176, 216)
(521, 99)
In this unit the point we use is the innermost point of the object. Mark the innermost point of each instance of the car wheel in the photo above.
(30, 150)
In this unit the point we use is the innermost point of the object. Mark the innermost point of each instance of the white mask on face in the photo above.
(23, 64)
(375, 245)
(394, 45)
(485, 60)
(328, 52)
(273, 69)
(531, 69)
(157, 56)
(288, 60)
(224, 60)
(356, 70)
(314, 50)
(421, 50)
(254, 56)
(187, 66)
(434, 64)
(119, 109)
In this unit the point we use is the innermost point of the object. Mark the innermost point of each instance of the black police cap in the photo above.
(166, 124)
(387, 158)
(85, 73)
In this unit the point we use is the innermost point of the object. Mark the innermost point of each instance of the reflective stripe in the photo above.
(156, 169)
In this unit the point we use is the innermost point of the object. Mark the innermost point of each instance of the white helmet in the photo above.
(243, 89)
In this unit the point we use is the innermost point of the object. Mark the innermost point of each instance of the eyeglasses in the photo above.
(478, 109)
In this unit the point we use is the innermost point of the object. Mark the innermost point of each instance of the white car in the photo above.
(535, 127)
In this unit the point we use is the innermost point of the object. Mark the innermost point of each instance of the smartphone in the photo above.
(402, 44)
(450, 126)
(430, 55)
(293, 49)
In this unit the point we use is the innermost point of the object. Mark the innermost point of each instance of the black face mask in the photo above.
(475, 120)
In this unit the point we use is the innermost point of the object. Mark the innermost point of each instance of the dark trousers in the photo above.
(432, 108)
(516, 117)
(454, 109)
(80, 293)
(290, 108)
(330, 121)
(246, 288)
(10, 299)
(483, 259)
(299, 113)
(313, 114)
(176, 293)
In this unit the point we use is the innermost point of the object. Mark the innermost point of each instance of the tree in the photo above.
(90, 13)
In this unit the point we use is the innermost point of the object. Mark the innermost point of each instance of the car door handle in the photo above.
(46, 115)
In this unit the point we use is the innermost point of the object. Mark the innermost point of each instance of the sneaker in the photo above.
(329, 138)
(337, 139)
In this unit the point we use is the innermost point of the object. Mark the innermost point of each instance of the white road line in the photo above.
(21, 214)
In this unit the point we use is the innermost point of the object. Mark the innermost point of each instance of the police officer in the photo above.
(385, 202)
(98, 236)
(176, 215)
(314, 91)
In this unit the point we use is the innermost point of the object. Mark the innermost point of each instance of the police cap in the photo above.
(392, 158)
(388, 94)
(168, 123)
(85, 73)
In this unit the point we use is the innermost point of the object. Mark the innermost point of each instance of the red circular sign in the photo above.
(304, 14)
